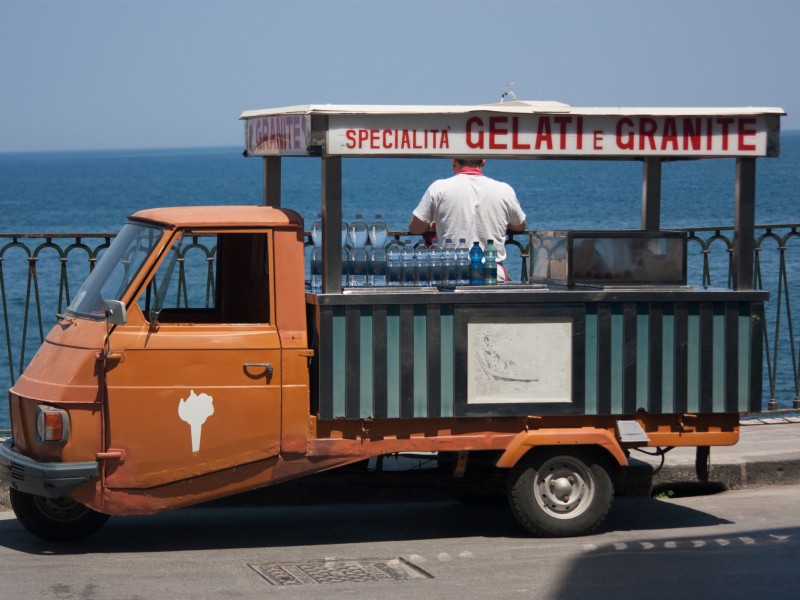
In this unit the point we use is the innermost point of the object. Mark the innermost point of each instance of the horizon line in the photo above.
(165, 148)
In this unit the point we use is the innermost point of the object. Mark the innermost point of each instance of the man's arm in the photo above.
(520, 227)
(418, 226)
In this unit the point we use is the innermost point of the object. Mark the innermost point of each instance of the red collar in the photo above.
(469, 171)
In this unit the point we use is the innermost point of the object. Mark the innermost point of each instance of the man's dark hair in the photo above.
(470, 162)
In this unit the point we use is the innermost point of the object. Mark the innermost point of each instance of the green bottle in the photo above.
(490, 263)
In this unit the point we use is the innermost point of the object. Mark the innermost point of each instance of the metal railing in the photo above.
(39, 274)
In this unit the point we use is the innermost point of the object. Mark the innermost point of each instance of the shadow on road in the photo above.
(322, 524)
(755, 564)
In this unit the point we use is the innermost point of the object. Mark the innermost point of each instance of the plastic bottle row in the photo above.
(357, 234)
(403, 265)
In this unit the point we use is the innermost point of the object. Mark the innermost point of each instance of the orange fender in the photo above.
(584, 436)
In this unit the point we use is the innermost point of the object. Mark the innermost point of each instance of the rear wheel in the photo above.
(55, 519)
(554, 493)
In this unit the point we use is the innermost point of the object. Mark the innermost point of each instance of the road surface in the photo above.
(735, 544)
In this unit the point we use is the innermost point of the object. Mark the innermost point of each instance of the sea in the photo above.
(94, 191)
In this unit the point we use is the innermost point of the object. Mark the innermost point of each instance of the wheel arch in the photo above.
(587, 437)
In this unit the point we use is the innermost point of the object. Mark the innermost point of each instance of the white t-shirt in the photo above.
(471, 206)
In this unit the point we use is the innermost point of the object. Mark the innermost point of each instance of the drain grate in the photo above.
(359, 570)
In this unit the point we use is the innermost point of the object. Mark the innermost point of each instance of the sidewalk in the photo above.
(768, 453)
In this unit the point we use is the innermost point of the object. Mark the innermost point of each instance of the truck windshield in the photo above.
(115, 270)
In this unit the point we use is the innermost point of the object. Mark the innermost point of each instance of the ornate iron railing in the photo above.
(777, 253)
(39, 273)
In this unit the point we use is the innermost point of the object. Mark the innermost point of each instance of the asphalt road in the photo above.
(736, 544)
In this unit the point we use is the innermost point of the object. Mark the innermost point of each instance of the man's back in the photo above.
(472, 206)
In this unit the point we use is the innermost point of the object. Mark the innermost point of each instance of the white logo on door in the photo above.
(195, 410)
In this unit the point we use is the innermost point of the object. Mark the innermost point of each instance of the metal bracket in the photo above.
(630, 432)
(461, 464)
(111, 454)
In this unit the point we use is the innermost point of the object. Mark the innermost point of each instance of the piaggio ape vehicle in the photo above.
(137, 403)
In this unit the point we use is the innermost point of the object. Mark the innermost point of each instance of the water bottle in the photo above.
(422, 265)
(394, 264)
(448, 263)
(407, 258)
(490, 263)
(345, 266)
(476, 264)
(316, 255)
(345, 255)
(462, 262)
(316, 268)
(358, 232)
(435, 264)
(358, 264)
(378, 232)
(316, 232)
(376, 274)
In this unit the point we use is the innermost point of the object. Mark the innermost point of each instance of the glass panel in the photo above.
(185, 279)
(116, 270)
(609, 257)
(212, 278)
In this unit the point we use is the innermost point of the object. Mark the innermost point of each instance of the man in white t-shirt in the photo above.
(472, 206)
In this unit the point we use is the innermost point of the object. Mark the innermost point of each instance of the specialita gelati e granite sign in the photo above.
(565, 135)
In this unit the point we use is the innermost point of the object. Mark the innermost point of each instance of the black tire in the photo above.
(702, 463)
(55, 519)
(560, 493)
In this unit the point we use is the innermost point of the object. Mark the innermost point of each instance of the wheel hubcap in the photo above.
(564, 487)
(61, 509)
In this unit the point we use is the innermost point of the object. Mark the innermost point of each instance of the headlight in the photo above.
(52, 425)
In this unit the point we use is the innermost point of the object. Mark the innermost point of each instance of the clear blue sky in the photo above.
(83, 74)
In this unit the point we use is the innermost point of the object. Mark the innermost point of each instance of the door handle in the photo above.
(268, 369)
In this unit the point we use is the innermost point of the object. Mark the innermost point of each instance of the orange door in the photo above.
(192, 399)
(197, 388)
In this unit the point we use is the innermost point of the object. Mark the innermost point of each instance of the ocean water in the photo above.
(95, 191)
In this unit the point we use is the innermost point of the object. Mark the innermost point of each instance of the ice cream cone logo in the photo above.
(195, 410)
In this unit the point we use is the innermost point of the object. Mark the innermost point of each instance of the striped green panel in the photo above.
(365, 362)
(447, 362)
(339, 354)
(420, 361)
(718, 369)
(693, 359)
(642, 355)
(591, 360)
(617, 366)
(744, 363)
(668, 360)
(393, 362)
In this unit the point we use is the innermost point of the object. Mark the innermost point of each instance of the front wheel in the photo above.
(560, 494)
(55, 519)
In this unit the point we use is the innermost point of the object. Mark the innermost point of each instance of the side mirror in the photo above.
(115, 312)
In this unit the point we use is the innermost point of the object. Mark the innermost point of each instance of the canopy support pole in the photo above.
(651, 194)
(331, 225)
(744, 224)
(272, 181)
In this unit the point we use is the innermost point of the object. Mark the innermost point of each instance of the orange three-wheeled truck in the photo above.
(163, 386)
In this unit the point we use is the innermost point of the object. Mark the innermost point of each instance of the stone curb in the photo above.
(736, 475)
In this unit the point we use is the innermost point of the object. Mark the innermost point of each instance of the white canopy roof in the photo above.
(514, 107)
(516, 129)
